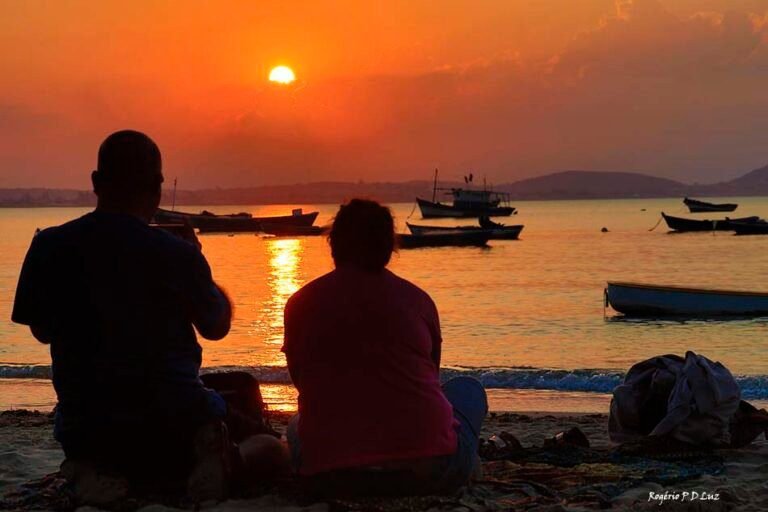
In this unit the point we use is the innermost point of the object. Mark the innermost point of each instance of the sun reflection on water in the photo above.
(284, 261)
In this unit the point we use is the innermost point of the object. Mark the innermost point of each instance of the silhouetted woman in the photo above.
(363, 349)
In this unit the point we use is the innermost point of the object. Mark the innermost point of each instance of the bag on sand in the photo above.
(689, 399)
(246, 410)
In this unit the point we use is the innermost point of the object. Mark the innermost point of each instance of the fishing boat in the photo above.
(696, 206)
(680, 224)
(497, 232)
(645, 300)
(467, 202)
(751, 228)
(207, 222)
(435, 239)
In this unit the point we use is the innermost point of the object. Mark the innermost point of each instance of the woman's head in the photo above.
(362, 236)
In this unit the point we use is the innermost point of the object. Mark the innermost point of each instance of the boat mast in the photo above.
(173, 205)
(434, 187)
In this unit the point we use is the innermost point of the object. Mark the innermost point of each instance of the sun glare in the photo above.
(282, 75)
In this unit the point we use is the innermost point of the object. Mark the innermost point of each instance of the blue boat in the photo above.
(645, 300)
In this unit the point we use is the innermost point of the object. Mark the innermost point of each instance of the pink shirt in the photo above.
(363, 350)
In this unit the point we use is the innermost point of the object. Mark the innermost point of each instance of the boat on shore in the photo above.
(497, 232)
(751, 228)
(645, 300)
(435, 239)
(467, 202)
(696, 206)
(207, 222)
(681, 224)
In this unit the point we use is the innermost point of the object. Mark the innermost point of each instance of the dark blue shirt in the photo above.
(117, 300)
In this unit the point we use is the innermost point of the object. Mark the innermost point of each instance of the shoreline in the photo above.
(584, 478)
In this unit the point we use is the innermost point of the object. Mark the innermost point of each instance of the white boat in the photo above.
(467, 202)
(635, 299)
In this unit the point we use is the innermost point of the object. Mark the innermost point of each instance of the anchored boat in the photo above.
(435, 239)
(208, 222)
(682, 225)
(645, 300)
(696, 206)
(467, 202)
(759, 227)
(495, 231)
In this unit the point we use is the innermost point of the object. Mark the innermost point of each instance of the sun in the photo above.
(282, 75)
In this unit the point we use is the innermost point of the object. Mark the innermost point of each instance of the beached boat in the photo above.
(499, 232)
(681, 224)
(467, 202)
(208, 222)
(751, 228)
(405, 241)
(696, 206)
(646, 300)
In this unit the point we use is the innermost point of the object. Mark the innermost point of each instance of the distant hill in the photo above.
(560, 185)
(754, 183)
(594, 185)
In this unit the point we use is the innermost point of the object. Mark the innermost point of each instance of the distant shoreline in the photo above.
(403, 201)
(560, 186)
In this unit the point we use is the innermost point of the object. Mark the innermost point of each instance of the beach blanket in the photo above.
(690, 399)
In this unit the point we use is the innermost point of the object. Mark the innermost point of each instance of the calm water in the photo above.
(524, 316)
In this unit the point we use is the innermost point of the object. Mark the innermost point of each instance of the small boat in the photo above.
(647, 300)
(466, 203)
(696, 206)
(751, 228)
(680, 224)
(405, 241)
(207, 222)
(497, 232)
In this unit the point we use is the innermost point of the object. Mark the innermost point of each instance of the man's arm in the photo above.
(211, 308)
(214, 319)
(30, 306)
(41, 334)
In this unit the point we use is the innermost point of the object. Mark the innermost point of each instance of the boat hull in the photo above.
(430, 210)
(501, 233)
(405, 241)
(695, 206)
(641, 300)
(680, 224)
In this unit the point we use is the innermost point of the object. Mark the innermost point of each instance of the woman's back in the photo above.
(363, 350)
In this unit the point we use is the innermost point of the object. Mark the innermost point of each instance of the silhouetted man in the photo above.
(117, 300)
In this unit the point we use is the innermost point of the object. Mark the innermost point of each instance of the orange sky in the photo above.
(386, 91)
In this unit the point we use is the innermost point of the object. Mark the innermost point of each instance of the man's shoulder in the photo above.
(61, 233)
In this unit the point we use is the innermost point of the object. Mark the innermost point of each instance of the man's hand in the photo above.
(188, 234)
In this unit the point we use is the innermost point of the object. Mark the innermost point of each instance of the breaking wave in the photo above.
(580, 380)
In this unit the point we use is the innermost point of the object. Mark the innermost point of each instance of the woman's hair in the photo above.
(363, 235)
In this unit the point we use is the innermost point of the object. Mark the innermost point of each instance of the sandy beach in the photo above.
(534, 478)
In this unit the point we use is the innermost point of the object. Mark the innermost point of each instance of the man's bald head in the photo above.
(129, 172)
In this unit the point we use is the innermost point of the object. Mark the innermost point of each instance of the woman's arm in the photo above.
(437, 339)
